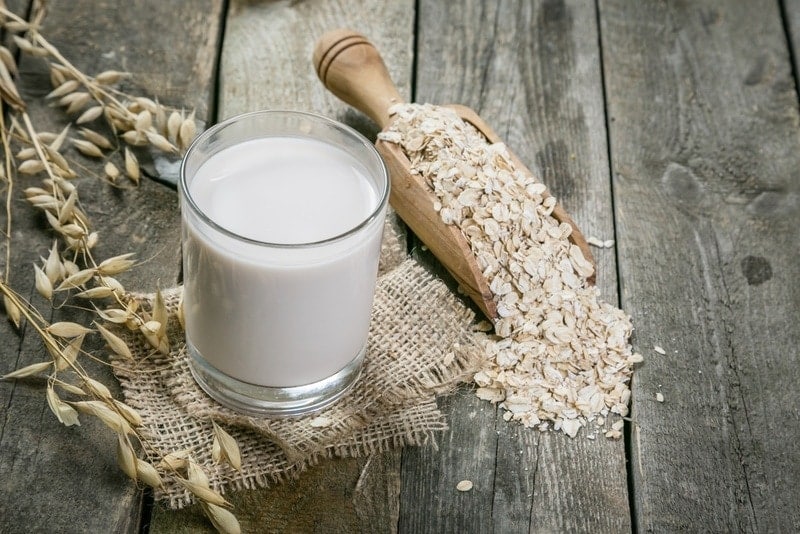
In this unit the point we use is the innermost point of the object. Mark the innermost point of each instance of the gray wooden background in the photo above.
(671, 127)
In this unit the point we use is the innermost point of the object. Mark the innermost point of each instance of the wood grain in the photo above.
(266, 63)
(704, 150)
(53, 478)
(531, 70)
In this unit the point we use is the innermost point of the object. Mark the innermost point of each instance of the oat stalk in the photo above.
(71, 270)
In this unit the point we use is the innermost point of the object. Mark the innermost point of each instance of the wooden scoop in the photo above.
(352, 69)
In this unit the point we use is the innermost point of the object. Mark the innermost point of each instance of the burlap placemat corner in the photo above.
(420, 345)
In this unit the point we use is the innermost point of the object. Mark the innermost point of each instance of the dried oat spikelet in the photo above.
(67, 329)
(175, 460)
(8, 60)
(29, 370)
(63, 89)
(30, 48)
(77, 279)
(114, 315)
(90, 114)
(204, 493)
(97, 139)
(148, 474)
(116, 264)
(187, 133)
(173, 126)
(99, 292)
(87, 148)
(110, 77)
(8, 90)
(225, 448)
(31, 166)
(115, 343)
(126, 457)
(65, 413)
(132, 166)
(12, 311)
(111, 171)
(130, 415)
(97, 388)
(136, 468)
(107, 415)
(43, 284)
(223, 520)
(65, 358)
(74, 102)
(53, 267)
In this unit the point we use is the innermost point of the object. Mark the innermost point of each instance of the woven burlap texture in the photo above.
(420, 345)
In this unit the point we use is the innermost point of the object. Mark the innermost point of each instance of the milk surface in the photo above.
(284, 190)
(280, 316)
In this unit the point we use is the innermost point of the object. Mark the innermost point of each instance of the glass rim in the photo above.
(353, 133)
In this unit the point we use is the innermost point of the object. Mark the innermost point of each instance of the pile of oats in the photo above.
(560, 357)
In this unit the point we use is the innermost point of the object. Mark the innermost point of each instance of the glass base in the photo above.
(258, 400)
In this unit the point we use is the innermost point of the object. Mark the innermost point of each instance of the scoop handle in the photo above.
(352, 68)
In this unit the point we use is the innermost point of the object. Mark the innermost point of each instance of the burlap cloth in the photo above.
(420, 345)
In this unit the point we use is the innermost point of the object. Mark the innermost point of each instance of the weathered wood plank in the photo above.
(704, 138)
(791, 19)
(266, 63)
(54, 478)
(531, 70)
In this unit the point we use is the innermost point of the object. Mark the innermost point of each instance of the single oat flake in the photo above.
(559, 357)
(464, 485)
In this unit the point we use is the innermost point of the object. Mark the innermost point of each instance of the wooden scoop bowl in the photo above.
(352, 69)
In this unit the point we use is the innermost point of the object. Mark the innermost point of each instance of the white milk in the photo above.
(280, 316)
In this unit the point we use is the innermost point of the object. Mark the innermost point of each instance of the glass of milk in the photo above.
(282, 217)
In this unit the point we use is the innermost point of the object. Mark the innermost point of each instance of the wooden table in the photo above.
(670, 127)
